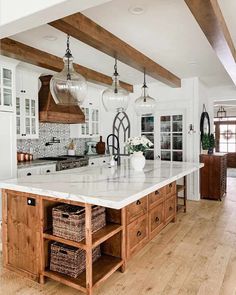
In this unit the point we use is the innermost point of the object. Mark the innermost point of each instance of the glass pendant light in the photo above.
(115, 98)
(221, 113)
(68, 87)
(145, 104)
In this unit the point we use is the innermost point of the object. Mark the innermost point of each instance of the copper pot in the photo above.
(20, 157)
(31, 157)
(27, 157)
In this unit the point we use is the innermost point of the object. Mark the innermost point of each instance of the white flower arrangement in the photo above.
(138, 144)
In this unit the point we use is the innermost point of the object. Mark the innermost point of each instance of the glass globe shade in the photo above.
(115, 98)
(145, 104)
(68, 87)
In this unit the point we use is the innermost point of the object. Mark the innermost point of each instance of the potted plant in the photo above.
(205, 143)
(211, 144)
(137, 146)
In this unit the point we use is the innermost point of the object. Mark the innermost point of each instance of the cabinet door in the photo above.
(23, 233)
(6, 89)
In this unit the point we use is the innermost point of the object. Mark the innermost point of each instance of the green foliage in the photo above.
(208, 141)
(205, 141)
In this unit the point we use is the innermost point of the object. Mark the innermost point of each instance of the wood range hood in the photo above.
(50, 112)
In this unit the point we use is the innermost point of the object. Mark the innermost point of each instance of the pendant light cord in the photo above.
(116, 76)
(144, 86)
(68, 55)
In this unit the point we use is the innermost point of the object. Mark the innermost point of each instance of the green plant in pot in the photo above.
(211, 144)
(205, 142)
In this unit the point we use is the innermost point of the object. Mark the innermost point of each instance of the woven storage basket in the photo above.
(70, 260)
(69, 221)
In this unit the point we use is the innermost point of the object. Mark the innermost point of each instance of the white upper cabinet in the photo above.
(91, 109)
(27, 119)
(7, 87)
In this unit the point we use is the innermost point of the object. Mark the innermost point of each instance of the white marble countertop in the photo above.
(113, 187)
(33, 163)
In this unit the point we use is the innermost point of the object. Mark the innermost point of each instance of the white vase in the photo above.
(138, 161)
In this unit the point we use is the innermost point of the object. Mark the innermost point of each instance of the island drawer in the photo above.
(170, 209)
(171, 189)
(156, 197)
(156, 219)
(137, 234)
(136, 209)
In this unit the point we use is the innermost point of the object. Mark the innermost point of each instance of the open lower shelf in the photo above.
(97, 238)
(102, 269)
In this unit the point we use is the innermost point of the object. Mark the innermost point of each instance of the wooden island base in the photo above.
(27, 235)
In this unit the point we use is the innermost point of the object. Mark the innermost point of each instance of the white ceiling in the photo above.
(166, 32)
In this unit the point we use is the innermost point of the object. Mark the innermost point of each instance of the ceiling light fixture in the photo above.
(50, 38)
(221, 112)
(68, 87)
(137, 10)
(145, 104)
(115, 98)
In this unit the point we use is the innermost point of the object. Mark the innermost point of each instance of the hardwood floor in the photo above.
(196, 255)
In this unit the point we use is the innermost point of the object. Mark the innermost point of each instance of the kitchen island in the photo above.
(137, 206)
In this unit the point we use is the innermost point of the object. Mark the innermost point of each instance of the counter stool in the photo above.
(181, 200)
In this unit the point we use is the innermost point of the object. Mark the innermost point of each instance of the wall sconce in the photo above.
(191, 129)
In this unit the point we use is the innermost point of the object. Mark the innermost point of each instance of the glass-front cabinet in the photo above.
(147, 129)
(91, 127)
(6, 88)
(171, 137)
(26, 105)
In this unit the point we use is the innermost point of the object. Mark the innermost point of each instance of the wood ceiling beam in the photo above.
(84, 29)
(210, 18)
(25, 53)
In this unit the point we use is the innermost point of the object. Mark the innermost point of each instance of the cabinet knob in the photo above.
(23, 134)
(92, 163)
(29, 174)
(157, 219)
(170, 185)
(139, 233)
(138, 203)
(170, 208)
(48, 171)
(157, 192)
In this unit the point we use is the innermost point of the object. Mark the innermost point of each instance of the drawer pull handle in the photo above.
(139, 233)
(48, 171)
(170, 208)
(157, 192)
(29, 174)
(138, 203)
(170, 185)
(157, 219)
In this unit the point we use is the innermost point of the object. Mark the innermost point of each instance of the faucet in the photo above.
(117, 147)
(54, 140)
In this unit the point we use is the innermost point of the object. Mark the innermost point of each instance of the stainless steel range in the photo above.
(68, 162)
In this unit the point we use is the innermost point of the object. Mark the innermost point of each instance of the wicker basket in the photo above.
(69, 221)
(70, 260)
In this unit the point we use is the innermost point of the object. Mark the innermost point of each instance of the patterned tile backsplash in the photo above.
(46, 132)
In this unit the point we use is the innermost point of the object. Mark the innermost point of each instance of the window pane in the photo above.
(165, 141)
(223, 147)
(165, 156)
(231, 148)
(177, 156)
(177, 141)
(223, 128)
